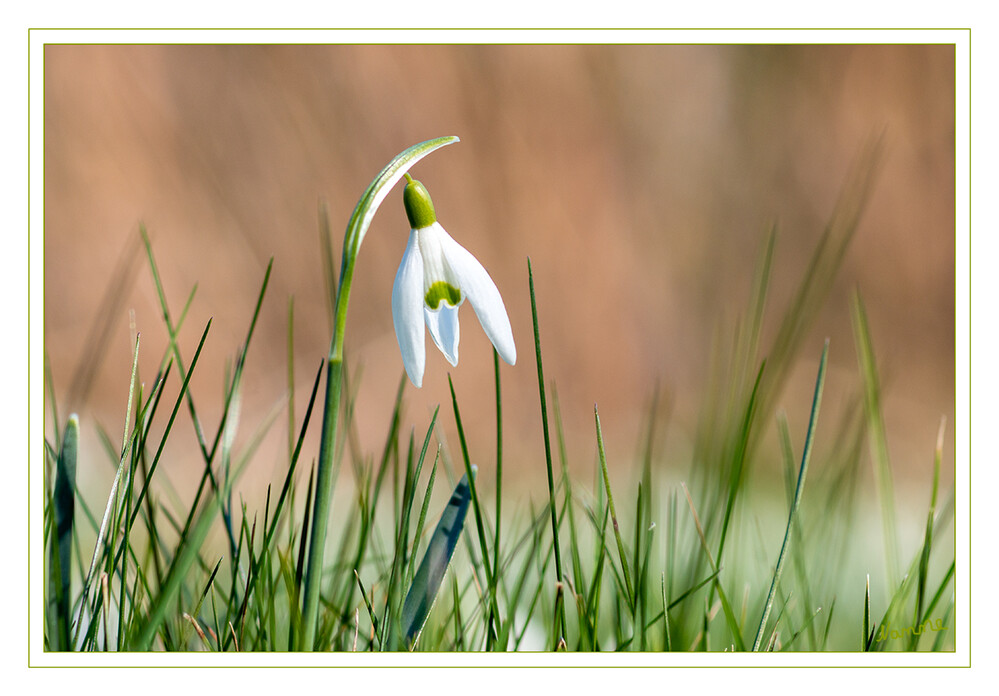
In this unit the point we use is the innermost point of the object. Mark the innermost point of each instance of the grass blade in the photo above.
(868, 632)
(548, 444)
(806, 454)
(924, 558)
(423, 518)
(125, 449)
(100, 333)
(667, 642)
(499, 477)
(291, 376)
(328, 257)
(622, 555)
(730, 620)
(402, 537)
(493, 618)
(877, 438)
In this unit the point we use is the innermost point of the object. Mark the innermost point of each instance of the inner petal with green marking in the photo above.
(442, 290)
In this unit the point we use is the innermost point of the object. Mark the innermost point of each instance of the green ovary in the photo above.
(442, 291)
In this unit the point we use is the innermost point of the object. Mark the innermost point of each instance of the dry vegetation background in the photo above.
(640, 180)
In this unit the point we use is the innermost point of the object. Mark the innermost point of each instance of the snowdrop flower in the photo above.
(435, 276)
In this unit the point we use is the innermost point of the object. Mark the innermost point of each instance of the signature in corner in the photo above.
(894, 633)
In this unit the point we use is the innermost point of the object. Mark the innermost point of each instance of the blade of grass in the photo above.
(402, 540)
(558, 637)
(868, 636)
(825, 633)
(730, 619)
(559, 578)
(303, 542)
(741, 459)
(787, 456)
(53, 404)
(493, 618)
(126, 515)
(924, 558)
(208, 587)
(422, 519)
(291, 375)
(108, 313)
(125, 448)
(667, 641)
(638, 609)
(877, 438)
(459, 631)
(938, 641)
(499, 482)
(806, 454)
(328, 258)
(940, 590)
(622, 555)
(808, 622)
(579, 585)
(367, 604)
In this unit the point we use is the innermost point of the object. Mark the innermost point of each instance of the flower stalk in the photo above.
(356, 229)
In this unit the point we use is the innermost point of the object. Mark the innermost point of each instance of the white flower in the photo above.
(435, 276)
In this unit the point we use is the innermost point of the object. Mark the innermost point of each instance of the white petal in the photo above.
(407, 310)
(443, 326)
(482, 294)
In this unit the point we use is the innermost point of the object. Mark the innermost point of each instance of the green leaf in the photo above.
(64, 499)
(427, 581)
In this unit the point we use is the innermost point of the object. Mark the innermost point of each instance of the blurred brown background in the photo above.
(640, 180)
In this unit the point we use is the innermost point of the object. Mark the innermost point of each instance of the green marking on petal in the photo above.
(442, 291)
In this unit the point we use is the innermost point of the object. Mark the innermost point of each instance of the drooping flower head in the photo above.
(435, 277)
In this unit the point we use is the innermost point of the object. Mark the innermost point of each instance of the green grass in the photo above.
(610, 556)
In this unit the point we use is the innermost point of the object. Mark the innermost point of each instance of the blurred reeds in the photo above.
(639, 178)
